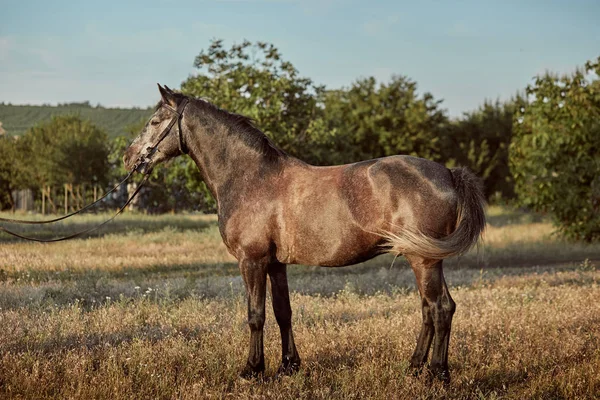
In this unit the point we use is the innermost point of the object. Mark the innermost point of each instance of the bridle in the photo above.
(177, 118)
(140, 166)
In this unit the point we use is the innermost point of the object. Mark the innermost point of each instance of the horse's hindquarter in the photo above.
(420, 194)
(331, 216)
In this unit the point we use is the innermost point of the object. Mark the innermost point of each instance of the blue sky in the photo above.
(114, 52)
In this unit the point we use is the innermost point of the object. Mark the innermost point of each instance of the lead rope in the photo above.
(2, 229)
(182, 148)
(25, 222)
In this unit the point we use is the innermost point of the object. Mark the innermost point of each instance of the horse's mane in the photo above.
(242, 126)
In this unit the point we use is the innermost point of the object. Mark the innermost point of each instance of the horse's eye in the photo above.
(154, 122)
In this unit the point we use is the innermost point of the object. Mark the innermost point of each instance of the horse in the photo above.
(274, 210)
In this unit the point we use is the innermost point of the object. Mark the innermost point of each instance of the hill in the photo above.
(16, 119)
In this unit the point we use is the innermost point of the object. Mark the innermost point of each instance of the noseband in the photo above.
(176, 118)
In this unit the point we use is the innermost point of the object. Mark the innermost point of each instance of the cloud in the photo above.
(375, 27)
(49, 60)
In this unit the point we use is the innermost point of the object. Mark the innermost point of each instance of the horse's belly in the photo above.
(327, 221)
(328, 245)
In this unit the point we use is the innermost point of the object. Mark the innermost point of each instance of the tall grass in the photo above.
(154, 308)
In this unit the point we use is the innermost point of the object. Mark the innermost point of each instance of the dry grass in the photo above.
(155, 309)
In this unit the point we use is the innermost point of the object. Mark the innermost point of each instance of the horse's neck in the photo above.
(225, 162)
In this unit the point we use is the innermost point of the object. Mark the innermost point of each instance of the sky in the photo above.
(463, 52)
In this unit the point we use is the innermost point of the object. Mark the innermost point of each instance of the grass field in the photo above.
(153, 307)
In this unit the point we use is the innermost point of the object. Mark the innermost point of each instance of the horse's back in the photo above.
(332, 215)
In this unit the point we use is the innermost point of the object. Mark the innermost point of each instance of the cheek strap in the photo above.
(178, 117)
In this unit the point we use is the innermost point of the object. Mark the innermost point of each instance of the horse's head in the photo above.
(157, 142)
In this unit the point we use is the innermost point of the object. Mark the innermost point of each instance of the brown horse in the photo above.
(275, 210)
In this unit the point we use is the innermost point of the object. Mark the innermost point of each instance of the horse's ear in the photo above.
(167, 95)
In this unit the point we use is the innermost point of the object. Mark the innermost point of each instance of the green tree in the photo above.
(65, 149)
(8, 170)
(374, 120)
(254, 80)
(555, 153)
(480, 140)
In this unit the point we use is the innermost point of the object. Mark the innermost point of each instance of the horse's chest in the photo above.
(246, 235)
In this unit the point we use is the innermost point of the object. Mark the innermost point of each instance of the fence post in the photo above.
(66, 200)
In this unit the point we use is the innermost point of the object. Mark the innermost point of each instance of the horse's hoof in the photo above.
(287, 368)
(440, 373)
(415, 369)
(250, 372)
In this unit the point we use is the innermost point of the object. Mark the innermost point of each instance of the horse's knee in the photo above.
(256, 321)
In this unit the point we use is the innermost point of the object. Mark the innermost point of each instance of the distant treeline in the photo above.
(539, 149)
(17, 119)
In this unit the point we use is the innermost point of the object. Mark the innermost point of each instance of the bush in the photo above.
(555, 153)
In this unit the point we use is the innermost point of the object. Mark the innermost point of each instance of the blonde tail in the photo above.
(470, 223)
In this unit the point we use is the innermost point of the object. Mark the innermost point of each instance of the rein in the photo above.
(138, 166)
(3, 229)
(26, 222)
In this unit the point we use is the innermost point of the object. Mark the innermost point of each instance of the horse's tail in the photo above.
(470, 223)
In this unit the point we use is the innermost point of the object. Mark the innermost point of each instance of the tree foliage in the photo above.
(254, 80)
(8, 170)
(480, 140)
(555, 152)
(543, 147)
(374, 120)
(65, 149)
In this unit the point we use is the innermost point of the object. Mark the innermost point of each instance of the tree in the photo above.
(8, 171)
(254, 80)
(555, 153)
(374, 120)
(480, 140)
(65, 149)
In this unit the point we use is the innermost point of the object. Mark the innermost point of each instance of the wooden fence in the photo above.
(72, 198)
(68, 198)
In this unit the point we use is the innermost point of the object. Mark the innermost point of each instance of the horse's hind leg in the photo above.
(290, 360)
(438, 309)
(419, 357)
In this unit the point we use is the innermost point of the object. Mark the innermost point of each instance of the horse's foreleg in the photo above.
(254, 273)
(438, 309)
(290, 360)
